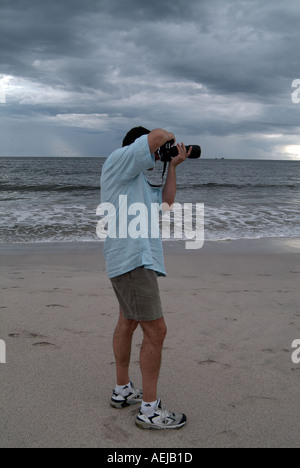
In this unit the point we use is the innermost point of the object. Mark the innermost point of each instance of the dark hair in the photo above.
(134, 134)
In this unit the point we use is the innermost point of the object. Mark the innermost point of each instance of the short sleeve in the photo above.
(133, 159)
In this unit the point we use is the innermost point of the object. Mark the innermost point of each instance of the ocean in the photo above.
(55, 199)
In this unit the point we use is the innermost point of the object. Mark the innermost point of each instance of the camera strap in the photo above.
(163, 175)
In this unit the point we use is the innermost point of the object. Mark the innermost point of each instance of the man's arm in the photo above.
(158, 138)
(169, 191)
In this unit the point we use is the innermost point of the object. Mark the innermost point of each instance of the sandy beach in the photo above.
(232, 311)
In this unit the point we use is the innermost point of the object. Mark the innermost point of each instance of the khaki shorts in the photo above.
(138, 295)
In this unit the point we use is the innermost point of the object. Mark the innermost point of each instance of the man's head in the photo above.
(134, 134)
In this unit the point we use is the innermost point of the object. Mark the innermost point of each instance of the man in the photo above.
(133, 265)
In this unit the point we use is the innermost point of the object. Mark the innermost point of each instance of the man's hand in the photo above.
(183, 154)
(169, 191)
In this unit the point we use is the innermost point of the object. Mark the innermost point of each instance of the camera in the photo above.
(167, 152)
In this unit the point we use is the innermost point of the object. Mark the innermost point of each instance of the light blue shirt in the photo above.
(123, 175)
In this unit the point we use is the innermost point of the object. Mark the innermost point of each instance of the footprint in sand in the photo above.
(33, 336)
(45, 343)
(210, 362)
(254, 400)
(113, 431)
(227, 436)
(26, 334)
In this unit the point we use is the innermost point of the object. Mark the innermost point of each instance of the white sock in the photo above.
(124, 390)
(148, 408)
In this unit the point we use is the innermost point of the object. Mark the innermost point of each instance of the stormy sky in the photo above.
(76, 75)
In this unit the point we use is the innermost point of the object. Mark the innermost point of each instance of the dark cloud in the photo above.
(84, 72)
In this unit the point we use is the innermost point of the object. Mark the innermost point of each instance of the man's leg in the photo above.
(122, 347)
(152, 414)
(150, 360)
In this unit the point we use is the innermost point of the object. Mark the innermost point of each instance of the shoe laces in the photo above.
(165, 413)
(137, 393)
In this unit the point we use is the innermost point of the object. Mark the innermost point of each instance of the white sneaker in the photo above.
(161, 419)
(133, 398)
